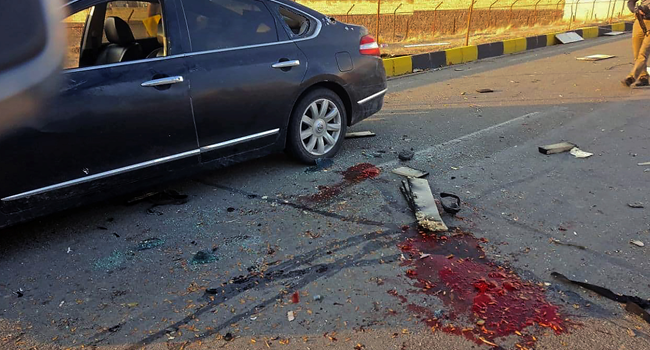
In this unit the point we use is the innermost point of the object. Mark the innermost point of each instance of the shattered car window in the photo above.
(221, 24)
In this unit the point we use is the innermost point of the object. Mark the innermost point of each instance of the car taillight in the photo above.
(369, 46)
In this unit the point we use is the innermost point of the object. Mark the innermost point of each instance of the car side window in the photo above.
(118, 31)
(142, 17)
(222, 24)
(299, 25)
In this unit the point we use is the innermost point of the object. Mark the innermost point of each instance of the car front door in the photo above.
(122, 113)
(245, 75)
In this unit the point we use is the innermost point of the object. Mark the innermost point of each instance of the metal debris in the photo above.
(614, 33)
(409, 172)
(595, 57)
(557, 241)
(356, 134)
(484, 91)
(568, 38)
(637, 243)
(556, 148)
(643, 164)
(637, 205)
(418, 194)
(578, 153)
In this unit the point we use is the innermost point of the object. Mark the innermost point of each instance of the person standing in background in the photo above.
(640, 44)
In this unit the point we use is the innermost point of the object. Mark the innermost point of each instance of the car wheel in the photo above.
(317, 126)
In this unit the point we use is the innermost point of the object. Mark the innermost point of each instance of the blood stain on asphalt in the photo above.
(353, 175)
(492, 298)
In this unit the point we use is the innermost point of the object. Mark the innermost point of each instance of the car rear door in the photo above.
(245, 74)
(108, 119)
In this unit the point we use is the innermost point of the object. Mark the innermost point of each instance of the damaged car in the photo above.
(155, 90)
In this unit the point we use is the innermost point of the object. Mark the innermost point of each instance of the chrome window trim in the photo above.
(239, 140)
(102, 175)
(319, 26)
(372, 96)
(142, 165)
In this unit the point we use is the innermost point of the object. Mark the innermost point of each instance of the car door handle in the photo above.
(286, 64)
(163, 81)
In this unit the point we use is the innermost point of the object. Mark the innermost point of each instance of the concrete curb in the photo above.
(431, 60)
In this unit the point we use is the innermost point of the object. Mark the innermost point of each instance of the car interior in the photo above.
(298, 24)
(112, 34)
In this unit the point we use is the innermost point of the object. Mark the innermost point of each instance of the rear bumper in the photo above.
(371, 100)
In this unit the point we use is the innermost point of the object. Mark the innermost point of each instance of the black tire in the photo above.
(295, 145)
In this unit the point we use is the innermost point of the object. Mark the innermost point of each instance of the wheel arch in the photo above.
(337, 88)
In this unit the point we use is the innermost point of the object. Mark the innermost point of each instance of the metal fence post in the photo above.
(469, 22)
(490, 12)
(573, 14)
(435, 12)
(511, 6)
(536, 13)
(378, 9)
(609, 6)
(593, 7)
(347, 15)
(394, 15)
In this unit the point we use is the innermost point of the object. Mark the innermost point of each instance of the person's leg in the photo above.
(640, 70)
(637, 41)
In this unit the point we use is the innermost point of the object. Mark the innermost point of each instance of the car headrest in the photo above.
(118, 31)
(160, 33)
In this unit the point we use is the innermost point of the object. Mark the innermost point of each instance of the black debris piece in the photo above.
(451, 207)
(19, 293)
(212, 291)
(102, 228)
(406, 155)
(228, 337)
(484, 91)
(633, 304)
(321, 164)
(230, 209)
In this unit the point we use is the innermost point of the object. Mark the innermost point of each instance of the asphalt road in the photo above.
(295, 266)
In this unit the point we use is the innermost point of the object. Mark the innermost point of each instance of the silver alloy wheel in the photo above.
(320, 127)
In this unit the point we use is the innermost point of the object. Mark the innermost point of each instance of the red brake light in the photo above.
(369, 46)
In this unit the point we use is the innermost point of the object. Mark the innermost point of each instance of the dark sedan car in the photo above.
(153, 90)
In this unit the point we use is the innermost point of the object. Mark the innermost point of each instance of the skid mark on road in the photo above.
(299, 206)
(294, 274)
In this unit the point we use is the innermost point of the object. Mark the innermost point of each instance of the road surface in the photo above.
(333, 259)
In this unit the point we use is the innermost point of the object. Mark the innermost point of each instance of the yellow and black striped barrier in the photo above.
(406, 64)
